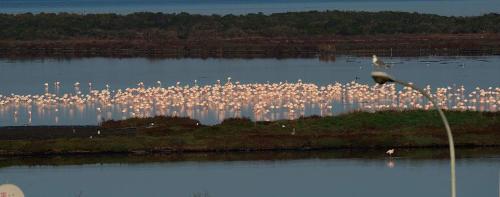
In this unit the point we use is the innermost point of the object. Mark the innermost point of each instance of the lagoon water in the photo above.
(299, 177)
(441, 7)
(308, 176)
(28, 76)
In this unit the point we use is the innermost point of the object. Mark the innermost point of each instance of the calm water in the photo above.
(302, 177)
(28, 76)
(442, 7)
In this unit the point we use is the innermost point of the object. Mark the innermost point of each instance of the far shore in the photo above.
(167, 135)
(253, 35)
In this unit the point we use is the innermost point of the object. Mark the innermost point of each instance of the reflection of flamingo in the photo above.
(390, 152)
(390, 164)
(266, 101)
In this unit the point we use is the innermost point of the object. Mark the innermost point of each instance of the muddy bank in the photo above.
(326, 47)
(365, 154)
(54, 132)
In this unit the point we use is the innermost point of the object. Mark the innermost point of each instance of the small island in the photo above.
(357, 130)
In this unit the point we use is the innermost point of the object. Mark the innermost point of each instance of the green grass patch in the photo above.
(354, 130)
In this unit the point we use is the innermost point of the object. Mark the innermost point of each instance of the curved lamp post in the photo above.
(382, 77)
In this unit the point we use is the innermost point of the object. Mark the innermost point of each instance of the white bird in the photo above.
(379, 63)
(390, 152)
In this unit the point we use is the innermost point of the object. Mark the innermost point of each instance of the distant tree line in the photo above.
(162, 26)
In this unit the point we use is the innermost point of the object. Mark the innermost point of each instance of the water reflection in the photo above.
(336, 173)
(86, 91)
(213, 103)
(361, 154)
(391, 163)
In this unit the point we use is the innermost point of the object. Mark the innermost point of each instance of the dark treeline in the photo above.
(161, 26)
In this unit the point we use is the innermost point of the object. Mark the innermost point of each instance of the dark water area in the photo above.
(441, 7)
(411, 173)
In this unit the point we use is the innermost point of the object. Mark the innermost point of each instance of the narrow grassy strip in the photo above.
(408, 129)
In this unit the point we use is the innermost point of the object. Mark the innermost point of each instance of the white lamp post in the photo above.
(382, 77)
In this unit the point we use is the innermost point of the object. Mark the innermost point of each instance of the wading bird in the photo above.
(390, 152)
(263, 101)
(379, 63)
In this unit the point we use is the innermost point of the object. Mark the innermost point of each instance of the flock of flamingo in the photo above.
(261, 101)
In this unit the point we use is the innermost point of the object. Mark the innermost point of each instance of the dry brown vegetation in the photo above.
(398, 45)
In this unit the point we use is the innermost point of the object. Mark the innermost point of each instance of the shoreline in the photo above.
(356, 131)
(324, 47)
(364, 154)
(235, 151)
